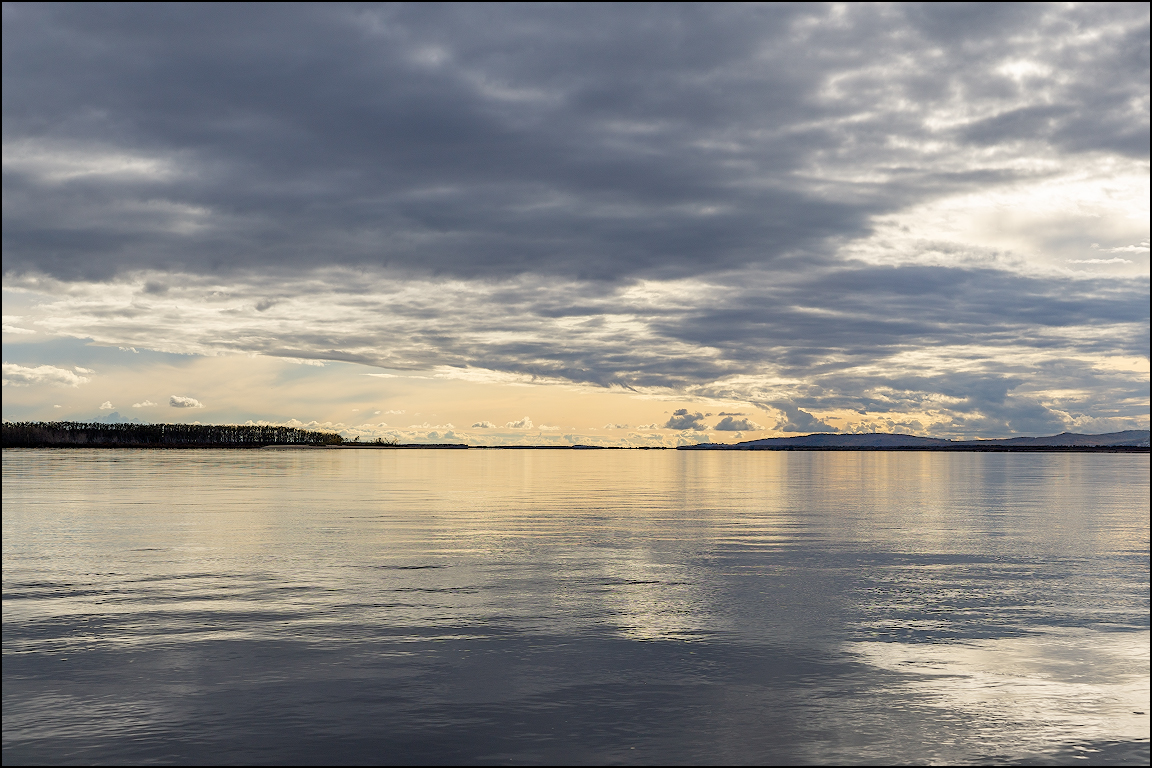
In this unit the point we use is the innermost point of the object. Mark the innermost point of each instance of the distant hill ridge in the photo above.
(1131, 438)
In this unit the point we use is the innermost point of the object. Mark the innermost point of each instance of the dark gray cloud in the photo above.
(599, 142)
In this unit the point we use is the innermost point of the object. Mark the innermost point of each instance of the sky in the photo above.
(594, 224)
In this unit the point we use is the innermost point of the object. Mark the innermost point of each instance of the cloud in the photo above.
(691, 438)
(10, 327)
(23, 376)
(107, 406)
(178, 401)
(852, 337)
(664, 156)
(682, 419)
(1141, 248)
(797, 420)
(524, 423)
(731, 424)
(483, 425)
(832, 207)
(615, 426)
(145, 404)
(1100, 261)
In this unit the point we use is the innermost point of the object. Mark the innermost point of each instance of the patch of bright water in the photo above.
(574, 606)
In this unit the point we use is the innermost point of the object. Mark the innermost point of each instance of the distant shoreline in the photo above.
(457, 446)
(73, 434)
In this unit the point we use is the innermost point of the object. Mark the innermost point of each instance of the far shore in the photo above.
(713, 447)
(72, 434)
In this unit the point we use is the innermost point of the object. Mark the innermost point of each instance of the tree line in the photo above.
(71, 434)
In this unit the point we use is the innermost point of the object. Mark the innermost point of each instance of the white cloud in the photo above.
(524, 423)
(546, 428)
(1142, 248)
(106, 405)
(145, 404)
(1116, 260)
(178, 401)
(10, 328)
(22, 376)
(54, 162)
(615, 426)
(689, 437)
(483, 425)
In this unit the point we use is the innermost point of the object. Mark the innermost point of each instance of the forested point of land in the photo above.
(74, 434)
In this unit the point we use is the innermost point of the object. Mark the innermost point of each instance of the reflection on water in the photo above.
(587, 606)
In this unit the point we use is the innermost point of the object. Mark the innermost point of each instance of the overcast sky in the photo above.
(626, 224)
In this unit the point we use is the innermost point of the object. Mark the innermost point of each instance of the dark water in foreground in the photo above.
(577, 606)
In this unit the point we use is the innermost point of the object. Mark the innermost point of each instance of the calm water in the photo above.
(574, 606)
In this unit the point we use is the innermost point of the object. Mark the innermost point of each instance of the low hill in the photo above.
(1132, 438)
(825, 440)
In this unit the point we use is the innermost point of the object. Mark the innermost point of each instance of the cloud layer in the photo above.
(929, 216)
(487, 141)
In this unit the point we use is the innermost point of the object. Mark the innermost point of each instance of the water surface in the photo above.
(316, 605)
